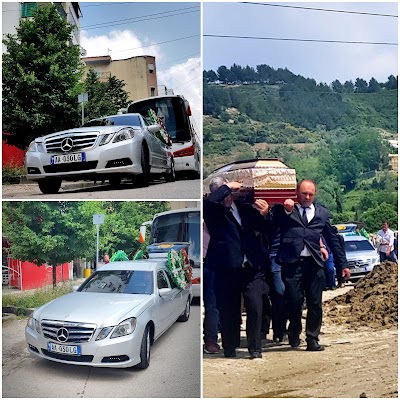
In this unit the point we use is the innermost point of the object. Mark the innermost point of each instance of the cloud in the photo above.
(119, 45)
(186, 79)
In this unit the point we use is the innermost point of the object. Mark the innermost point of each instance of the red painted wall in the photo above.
(32, 276)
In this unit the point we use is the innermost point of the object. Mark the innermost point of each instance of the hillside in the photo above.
(338, 139)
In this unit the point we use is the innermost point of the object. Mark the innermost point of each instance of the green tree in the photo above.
(47, 232)
(105, 98)
(122, 220)
(373, 217)
(41, 75)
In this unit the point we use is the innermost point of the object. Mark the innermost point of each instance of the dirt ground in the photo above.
(359, 333)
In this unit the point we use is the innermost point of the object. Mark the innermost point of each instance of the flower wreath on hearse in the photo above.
(162, 134)
(178, 268)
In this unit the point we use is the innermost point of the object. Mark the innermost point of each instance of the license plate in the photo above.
(68, 158)
(357, 270)
(64, 349)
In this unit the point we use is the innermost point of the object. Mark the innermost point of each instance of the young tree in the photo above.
(41, 74)
(105, 98)
(47, 232)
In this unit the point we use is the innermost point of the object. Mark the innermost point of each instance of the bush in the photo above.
(12, 173)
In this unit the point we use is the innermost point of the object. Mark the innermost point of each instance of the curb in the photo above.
(76, 185)
(17, 311)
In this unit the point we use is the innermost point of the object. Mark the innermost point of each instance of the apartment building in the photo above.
(139, 73)
(14, 12)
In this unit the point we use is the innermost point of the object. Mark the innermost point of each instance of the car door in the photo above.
(178, 299)
(164, 309)
(158, 157)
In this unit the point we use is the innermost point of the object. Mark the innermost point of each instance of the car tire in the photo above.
(49, 186)
(144, 178)
(171, 176)
(186, 313)
(145, 350)
(115, 181)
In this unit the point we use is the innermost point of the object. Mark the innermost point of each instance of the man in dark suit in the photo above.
(302, 226)
(237, 254)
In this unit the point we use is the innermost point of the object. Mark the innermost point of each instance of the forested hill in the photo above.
(269, 95)
(336, 134)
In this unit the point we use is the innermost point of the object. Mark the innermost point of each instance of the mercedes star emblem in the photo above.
(67, 144)
(62, 335)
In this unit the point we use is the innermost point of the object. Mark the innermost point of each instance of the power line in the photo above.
(154, 44)
(321, 9)
(299, 40)
(178, 59)
(108, 24)
(138, 19)
(190, 80)
(102, 4)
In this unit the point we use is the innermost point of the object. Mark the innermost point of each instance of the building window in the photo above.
(152, 91)
(151, 68)
(27, 9)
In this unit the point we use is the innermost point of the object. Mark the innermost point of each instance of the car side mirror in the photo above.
(164, 292)
(154, 128)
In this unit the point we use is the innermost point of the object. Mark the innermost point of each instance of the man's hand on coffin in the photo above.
(234, 186)
(289, 205)
(262, 206)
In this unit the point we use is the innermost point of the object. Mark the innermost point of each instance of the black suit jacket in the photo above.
(295, 235)
(228, 240)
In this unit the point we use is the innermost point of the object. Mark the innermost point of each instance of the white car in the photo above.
(361, 255)
(112, 319)
(110, 148)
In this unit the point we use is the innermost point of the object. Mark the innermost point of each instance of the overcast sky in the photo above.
(323, 62)
(168, 31)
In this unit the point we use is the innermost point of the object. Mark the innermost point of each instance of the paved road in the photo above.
(174, 370)
(158, 190)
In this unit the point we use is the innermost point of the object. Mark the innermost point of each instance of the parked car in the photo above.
(361, 255)
(112, 319)
(110, 148)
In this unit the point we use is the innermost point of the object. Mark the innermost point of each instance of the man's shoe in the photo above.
(255, 354)
(230, 353)
(314, 346)
(211, 348)
(294, 341)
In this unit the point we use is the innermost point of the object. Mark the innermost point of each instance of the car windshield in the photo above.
(117, 120)
(358, 245)
(128, 282)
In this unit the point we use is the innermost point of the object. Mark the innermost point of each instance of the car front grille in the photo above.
(83, 166)
(68, 332)
(78, 142)
(358, 263)
(68, 357)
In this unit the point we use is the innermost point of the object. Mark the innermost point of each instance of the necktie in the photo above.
(304, 216)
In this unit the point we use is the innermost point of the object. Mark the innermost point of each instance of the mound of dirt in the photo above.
(373, 302)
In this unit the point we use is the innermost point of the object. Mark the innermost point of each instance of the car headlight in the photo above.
(33, 324)
(125, 134)
(104, 333)
(124, 328)
(106, 139)
(36, 147)
(32, 147)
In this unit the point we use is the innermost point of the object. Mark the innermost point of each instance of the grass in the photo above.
(37, 298)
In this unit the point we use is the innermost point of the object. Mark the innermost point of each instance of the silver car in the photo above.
(112, 319)
(110, 148)
(361, 255)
